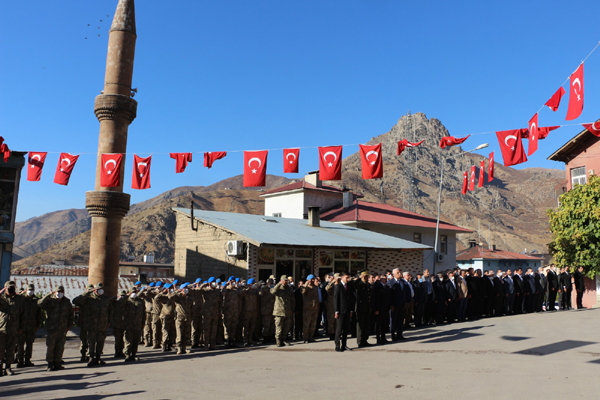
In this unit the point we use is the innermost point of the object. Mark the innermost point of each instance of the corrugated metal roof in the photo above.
(50, 269)
(385, 214)
(260, 230)
(302, 184)
(489, 254)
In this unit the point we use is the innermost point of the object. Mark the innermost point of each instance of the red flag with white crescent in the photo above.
(330, 163)
(576, 94)
(491, 167)
(255, 168)
(511, 146)
(594, 128)
(181, 161)
(290, 161)
(371, 162)
(465, 182)
(110, 170)
(141, 172)
(452, 141)
(403, 144)
(35, 163)
(481, 174)
(554, 101)
(472, 182)
(543, 131)
(533, 135)
(65, 166)
(212, 156)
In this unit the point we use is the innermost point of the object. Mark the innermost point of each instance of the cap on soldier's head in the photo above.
(10, 283)
(284, 278)
(159, 284)
(364, 272)
(218, 281)
(90, 287)
(311, 276)
(250, 281)
(211, 279)
(261, 282)
(198, 280)
(151, 284)
(168, 285)
(99, 285)
(123, 293)
(30, 287)
(272, 277)
(237, 279)
(336, 275)
(137, 283)
(231, 278)
(175, 282)
(60, 288)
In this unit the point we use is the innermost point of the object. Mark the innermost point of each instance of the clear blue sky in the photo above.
(248, 75)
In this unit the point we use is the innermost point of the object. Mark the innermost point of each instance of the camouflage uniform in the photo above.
(282, 311)
(118, 325)
(267, 302)
(183, 310)
(32, 320)
(167, 319)
(11, 320)
(211, 309)
(197, 334)
(82, 322)
(147, 297)
(249, 298)
(156, 321)
(59, 318)
(329, 306)
(310, 312)
(231, 313)
(134, 317)
(99, 317)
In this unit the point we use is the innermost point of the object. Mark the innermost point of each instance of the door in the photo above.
(285, 267)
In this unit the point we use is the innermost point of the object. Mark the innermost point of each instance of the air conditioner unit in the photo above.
(235, 248)
(440, 258)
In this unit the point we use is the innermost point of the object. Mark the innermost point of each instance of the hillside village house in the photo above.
(483, 258)
(581, 156)
(221, 244)
(344, 207)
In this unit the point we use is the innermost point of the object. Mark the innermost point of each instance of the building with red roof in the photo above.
(483, 258)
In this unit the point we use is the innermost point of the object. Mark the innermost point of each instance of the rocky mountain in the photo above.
(513, 206)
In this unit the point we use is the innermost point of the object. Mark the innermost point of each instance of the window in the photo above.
(8, 195)
(417, 237)
(578, 176)
(443, 244)
(277, 214)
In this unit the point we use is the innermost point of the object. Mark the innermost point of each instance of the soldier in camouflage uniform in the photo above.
(100, 310)
(59, 318)
(310, 311)
(11, 320)
(330, 306)
(183, 310)
(82, 322)
(167, 316)
(32, 320)
(231, 311)
(210, 312)
(282, 309)
(267, 302)
(118, 325)
(147, 297)
(249, 298)
(197, 301)
(156, 321)
(134, 316)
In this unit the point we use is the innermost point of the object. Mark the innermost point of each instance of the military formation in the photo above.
(236, 312)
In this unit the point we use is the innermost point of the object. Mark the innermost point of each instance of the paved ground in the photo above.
(549, 355)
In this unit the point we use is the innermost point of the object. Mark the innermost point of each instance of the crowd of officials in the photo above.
(244, 313)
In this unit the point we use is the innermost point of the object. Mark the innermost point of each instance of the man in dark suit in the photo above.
(499, 287)
(419, 288)
(362, 292)
(579, 286)
(428, 312)
(381, 307)
(441, 298)
(398, 301)
(489, 294)
(298, 312)
(529, 284)
(472, 297)
(519, 291)
(566, 288)
(479, 283)
(343, 306)
(541, 284)
(509, 293)
(552, 287)
(451, 297)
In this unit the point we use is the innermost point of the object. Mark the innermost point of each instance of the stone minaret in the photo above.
(115, 109)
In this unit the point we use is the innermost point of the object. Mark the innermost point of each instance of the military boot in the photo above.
(20, 363)
(50, 367)
(8, 370)
(92, 362)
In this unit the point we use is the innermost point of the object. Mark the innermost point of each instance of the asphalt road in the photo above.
(549, 355)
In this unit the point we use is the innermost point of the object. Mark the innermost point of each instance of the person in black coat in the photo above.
(298, 312)
(479, 283)
(451, 297)
(509, 293)
(530, 290)
(420, 297)
(489, 294)
(540, 287)
(553, 287)
(566, 288)
(519, 291)
(579, 286)
(381, 309)
(499, 287)
(472, 298)
(439, 289)
(343, 304)
(398, 301)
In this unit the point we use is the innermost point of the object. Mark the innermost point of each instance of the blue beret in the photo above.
(168, 285)
(137, 283)
(175, 282)
(159, 283)
(311, 276)
(198, 280)
(151, 284)
(211, 279)
(237, 279)
(223, 284)
(250, 281)
(218, 280)
(231, 278)
(184, 285)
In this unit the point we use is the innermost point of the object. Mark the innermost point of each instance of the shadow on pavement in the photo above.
(514, 338)
(554, 348)
(448, 336)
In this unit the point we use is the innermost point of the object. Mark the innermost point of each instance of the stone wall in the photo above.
(408, 260)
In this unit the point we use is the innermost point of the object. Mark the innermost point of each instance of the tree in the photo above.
(575, 227)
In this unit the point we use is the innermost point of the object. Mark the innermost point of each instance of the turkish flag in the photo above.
(110, 170)
(533, 135)
(290, 160)
(472, 182)
(511, 146)
(65, 166)
(141, 172)
(465, 182)
(481, 174)
(592, 128)
(554, 101)
(5, 151)
(403, 144)
(255, 168)
(211, 157)
(452, 141)
(543, 131)
(370, 159)
(330, 163)
(491, 167)
(181, 160)
(36, 161)
(576, 94)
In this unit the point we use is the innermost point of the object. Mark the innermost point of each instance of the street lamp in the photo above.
(437, 225)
